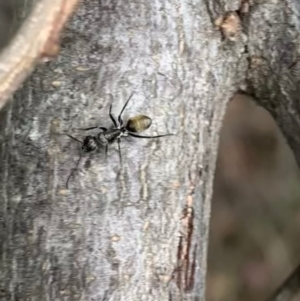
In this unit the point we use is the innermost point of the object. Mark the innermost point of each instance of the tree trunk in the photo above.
(273, 78)
(274, 70)
(136, 231)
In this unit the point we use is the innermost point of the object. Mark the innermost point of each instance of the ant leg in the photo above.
(94, 127)
(74, 138)
(112, 117)
(148, 137)
(87, 129)
(119, 147)
(73, 170)
(106, 150)
(120, 116)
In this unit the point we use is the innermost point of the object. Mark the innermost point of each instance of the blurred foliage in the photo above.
(255, 221)
(7, 12)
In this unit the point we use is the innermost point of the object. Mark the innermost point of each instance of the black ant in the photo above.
(134, 125)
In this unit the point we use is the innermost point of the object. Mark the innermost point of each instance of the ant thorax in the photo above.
(102, 139)
(123, 132)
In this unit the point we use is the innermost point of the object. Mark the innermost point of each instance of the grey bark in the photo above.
(274, 70)
(273, 77)
(132, 232)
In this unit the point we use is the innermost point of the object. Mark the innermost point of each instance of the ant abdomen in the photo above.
(138, 123)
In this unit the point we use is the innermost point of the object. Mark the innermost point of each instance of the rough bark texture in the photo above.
(273, 77)
(274, 73)
(136, 232)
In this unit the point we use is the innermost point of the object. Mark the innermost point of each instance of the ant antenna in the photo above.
(148, 137)
(72, 172)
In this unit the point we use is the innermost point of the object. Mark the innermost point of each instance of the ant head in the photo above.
(89, 144)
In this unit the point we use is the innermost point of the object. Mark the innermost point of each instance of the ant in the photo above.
(136, 124)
